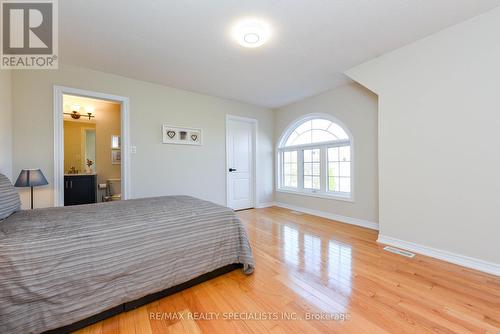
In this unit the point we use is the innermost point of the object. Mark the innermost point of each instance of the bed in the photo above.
(72, 266)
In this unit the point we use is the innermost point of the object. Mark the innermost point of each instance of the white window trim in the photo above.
(323, 192)
(306, 192)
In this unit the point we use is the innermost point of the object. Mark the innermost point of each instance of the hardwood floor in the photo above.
(310, 266)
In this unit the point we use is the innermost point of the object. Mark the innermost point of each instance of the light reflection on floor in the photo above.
(340, 266)
(312, 253)
(318, 256)
(291, 245)
(328, 261)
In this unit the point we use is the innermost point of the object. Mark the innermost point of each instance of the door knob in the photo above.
(232, 169)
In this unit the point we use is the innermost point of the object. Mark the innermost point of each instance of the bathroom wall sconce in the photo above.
(75, 113)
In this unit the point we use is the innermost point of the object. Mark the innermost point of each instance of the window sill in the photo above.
(318, 195)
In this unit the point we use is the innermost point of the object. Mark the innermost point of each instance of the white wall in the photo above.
(356, 108)
(439, 135)
(6, 123)
(156, 168)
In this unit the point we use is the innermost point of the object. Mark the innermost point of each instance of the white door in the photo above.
(240, 183)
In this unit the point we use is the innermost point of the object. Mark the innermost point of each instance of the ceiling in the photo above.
(187, 43)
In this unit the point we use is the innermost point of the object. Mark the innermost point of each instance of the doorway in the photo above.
(91, 147)
(241, 148)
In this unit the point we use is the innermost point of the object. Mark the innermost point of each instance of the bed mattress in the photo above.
(61, 265)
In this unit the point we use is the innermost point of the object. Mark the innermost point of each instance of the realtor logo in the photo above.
(29, 34)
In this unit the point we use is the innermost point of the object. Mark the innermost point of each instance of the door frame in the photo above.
(255, 125)
(59, 91)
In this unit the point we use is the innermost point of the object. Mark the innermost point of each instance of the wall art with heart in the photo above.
(181, 135)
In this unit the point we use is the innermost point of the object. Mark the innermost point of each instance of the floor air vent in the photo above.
(399, 251)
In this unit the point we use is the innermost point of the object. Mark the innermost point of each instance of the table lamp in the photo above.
(31, 178)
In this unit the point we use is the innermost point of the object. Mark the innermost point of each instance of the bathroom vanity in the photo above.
(80, 189)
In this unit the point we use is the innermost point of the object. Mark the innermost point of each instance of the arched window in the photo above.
(314, 157)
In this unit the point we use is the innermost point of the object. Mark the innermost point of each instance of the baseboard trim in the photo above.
(343, 219)
(265, 205)
(462, 260)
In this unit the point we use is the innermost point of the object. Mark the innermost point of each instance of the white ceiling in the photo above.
(186, 43)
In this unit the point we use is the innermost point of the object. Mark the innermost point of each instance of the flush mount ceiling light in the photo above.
(251, 33)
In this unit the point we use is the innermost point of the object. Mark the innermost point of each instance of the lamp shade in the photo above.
(31, 178)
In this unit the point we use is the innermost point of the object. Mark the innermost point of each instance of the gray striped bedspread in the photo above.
(61, 265)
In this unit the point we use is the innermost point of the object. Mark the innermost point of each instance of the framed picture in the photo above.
(115, 142)
(116, 157)
(183, 136)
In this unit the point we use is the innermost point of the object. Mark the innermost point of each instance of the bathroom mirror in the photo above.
(89, 150)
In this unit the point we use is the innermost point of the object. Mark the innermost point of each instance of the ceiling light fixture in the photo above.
(251, 33)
